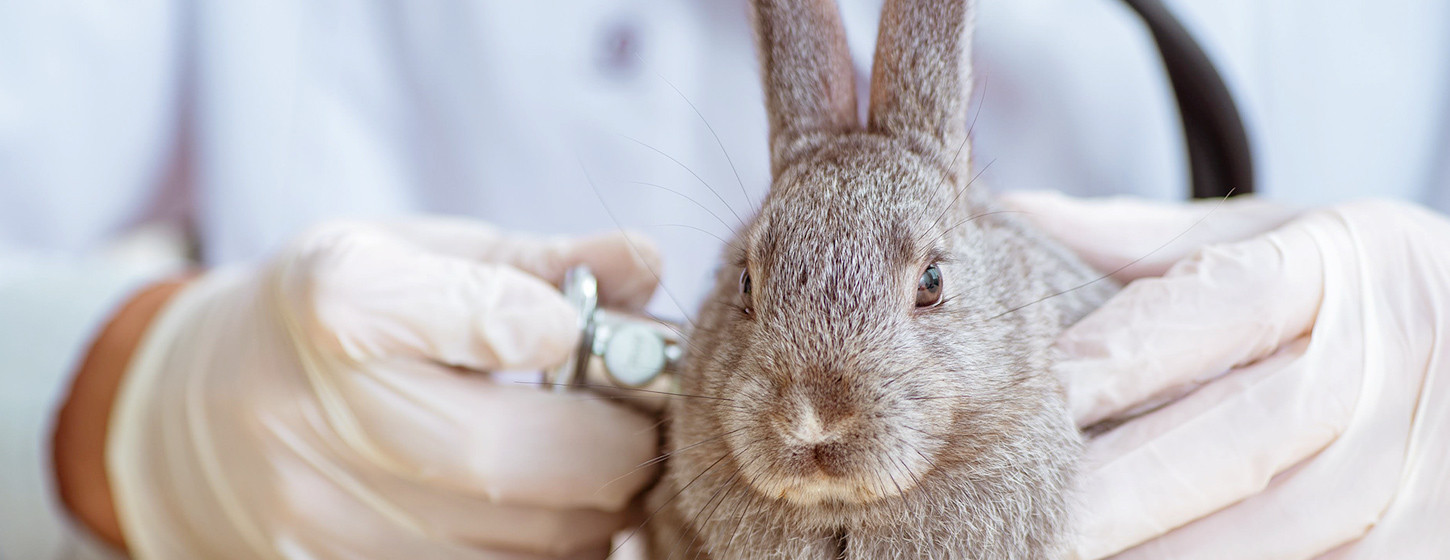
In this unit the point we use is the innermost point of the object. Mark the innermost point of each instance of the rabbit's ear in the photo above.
(810, 85)
(922, 76)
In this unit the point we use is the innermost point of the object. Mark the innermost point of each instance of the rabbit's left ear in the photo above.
(922, 77)
(810, 84)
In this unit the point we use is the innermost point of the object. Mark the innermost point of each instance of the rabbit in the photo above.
(869, 377)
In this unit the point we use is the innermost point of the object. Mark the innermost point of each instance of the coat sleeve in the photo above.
(91, 104)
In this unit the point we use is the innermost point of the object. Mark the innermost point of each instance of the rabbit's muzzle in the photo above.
(830, 444)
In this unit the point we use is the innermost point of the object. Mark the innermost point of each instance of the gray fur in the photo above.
(836, 413)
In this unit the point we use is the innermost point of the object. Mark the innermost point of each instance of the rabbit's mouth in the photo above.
(828, 490)
(814, 483)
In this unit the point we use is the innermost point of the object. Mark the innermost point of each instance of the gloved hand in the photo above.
(1305, 371)
(331, 404)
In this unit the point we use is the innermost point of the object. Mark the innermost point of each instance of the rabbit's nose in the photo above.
(830, 458)
(808, 429)
(827, 398)
(818, 418)
(814, 446)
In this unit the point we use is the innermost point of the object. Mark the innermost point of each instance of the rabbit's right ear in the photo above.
(810, 84)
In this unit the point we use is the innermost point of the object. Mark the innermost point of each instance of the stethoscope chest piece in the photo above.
(622, 354)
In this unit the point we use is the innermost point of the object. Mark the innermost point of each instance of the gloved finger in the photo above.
(373, 295)
(473, 519)
(546, 532)
(1298, 515)
(1228, 305)
(626, 263)
(1111, 233)
(350, 508)
(510, 445)
(1212, 448)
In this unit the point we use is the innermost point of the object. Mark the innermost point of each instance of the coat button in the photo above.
(619, 56)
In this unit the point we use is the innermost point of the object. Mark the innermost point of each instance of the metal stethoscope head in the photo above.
(618, 353)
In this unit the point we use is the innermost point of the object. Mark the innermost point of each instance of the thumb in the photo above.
(1135, 238)
(374, 295)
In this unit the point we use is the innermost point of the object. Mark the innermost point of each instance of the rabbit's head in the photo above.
(864, 338)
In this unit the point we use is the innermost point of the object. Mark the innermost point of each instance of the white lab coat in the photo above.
(247, 121)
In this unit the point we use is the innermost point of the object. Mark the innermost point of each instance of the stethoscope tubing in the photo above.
(1219, 155)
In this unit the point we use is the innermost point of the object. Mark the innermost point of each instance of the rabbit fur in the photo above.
(825, 415)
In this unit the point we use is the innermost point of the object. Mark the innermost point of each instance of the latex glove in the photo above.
(1329, 435)
(328, 405)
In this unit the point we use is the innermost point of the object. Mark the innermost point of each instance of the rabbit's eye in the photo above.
(928, 288)
(745, 300)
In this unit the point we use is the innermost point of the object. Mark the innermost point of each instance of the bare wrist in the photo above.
(79, 441)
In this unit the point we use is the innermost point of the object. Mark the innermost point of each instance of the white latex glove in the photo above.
(330, 405)
(1329, 434)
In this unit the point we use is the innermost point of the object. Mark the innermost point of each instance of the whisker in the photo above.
(899, 491)
(683, 339)
(667, 455)
(1121, 268)
(880, 484)
(930, 463)
(655, 426)
(896, 378)
(619, 397)
(696, 175)
(610, 211)
(712, 133)
(740, 521)
(702, 230)
(963, 190)
(887, 391)
(726, 487)
(981, 101)
(964, 222)
(686, 197)
(919, 431)
(666, 504)
(729, 483)
(745, 491)
(965, 138)
(914, 479)
(902, 461)
(616, 388)
(636, 398)
(907, 468)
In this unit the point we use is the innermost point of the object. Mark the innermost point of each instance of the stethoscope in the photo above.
(620, 353)
(637, 356)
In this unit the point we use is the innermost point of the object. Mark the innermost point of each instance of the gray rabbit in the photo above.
(869, 377)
